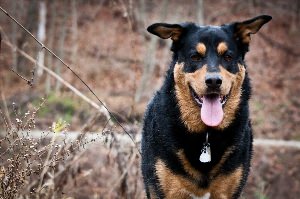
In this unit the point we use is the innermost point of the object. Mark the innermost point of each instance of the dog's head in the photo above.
(209, 70)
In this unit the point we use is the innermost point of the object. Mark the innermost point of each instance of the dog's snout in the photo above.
(213, 81)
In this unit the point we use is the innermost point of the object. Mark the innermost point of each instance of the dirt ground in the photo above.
(274, 174)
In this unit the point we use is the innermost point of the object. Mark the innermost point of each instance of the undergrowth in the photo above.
(35, 166)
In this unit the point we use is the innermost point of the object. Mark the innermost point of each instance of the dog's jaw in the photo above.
(190, 104)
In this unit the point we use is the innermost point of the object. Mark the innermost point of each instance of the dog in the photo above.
(197, 136)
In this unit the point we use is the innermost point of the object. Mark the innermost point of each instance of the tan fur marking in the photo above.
(190, 111)
(236, 81)
(172, 185)
(244, 33)
(226, 185)
(222, 48)
(217, 168)
(177, 186)
(201, 48)
(194, 172)
(187, 165)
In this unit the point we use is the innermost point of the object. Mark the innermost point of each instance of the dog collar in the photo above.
(205, 151)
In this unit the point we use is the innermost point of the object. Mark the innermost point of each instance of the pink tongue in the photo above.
(211, 111)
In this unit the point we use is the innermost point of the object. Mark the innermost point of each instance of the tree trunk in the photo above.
(199, 12)
(150, 58)
(51, 36)
(41, 35)
(61, 45)
(74, 31)
(14, 35)
(30, 24)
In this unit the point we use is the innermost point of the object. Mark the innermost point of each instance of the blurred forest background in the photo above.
(57, 141)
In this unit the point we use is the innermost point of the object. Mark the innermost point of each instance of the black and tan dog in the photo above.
(197, 139)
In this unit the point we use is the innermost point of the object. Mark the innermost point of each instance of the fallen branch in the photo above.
(125, 142)
(277, 143)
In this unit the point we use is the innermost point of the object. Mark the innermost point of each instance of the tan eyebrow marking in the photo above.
(222, 48)
(201, 48)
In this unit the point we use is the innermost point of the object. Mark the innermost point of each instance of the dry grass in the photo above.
(51, 165)
(30, 167)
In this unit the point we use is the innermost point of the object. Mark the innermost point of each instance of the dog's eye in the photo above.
(196, 57)
(228, 58)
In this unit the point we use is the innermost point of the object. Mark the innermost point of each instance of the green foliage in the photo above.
(257, 108)
(57, 104)
(260, 195)
(59, 126)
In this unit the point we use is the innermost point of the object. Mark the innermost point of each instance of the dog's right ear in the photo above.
(166, 31)
(243, 30)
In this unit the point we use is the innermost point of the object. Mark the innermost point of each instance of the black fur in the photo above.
(164, 133)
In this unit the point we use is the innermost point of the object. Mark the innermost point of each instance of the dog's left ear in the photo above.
(243, 30)
(165, 31)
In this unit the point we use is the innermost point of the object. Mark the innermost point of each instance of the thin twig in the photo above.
(30, 82)
(26, 80)
(129, 165)
(0, 41)
(46, 164)
(37, 61)
(4, 120)
(6, 110)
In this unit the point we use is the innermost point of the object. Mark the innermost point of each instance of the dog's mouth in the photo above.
(199, 99)
(211, 105)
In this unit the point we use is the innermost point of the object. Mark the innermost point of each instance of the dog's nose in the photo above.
(213, 81)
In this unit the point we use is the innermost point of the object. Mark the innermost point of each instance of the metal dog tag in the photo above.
(205, 152)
